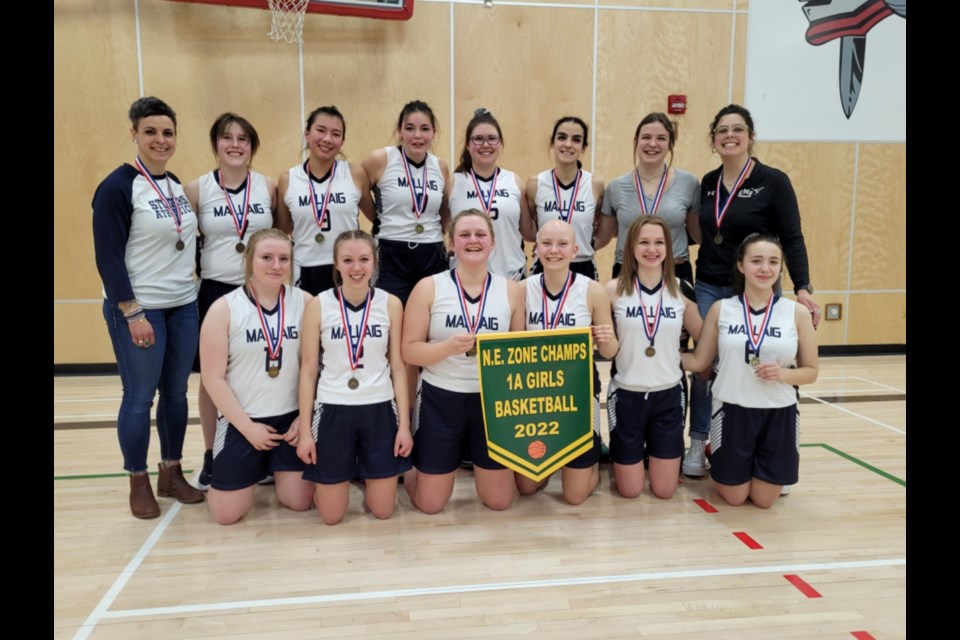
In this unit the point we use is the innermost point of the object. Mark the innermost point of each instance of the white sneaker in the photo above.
(785, 489)
(694, 462)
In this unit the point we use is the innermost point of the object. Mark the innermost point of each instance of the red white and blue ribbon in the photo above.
(169, 201)
(650, 328)
(550, 322)
(320, 210)
(573, 196)
(472, 324)
(485, 204)
(718, 213)
(755, 338)
(274, 341)
(419, 201)
(656, 198)
(240, 218)
(354, 344)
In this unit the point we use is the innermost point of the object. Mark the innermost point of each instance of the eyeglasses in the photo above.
(490, 140)
(737, 129)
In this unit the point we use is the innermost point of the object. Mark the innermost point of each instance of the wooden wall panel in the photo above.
(880, 227)
(831, 333)
(822, 176)
(670, 4)
(877, 318)
(80, 334)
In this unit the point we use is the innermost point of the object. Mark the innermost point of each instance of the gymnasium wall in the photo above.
(529, 63)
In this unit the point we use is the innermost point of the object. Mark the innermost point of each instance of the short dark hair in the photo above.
(150, 106)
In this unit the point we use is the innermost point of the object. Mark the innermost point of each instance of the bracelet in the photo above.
(132, 312)
(136, 316)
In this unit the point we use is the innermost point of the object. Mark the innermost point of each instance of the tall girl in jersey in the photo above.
(478, 183)
(558, 298)
(645, 397)
(411, 211)
(232, 203)
(767, 347)
(442, 318)
(568, 193)
(359, 425)
(144, 236)
(250, 360)
(653, 188)
(320, 198)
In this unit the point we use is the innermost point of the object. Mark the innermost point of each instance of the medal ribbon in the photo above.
(168, 199)
(573, 197)
(551, 323)
(419, 202)
(650, 328)
(354, 346)
(472, 326)
(487, 204)
(239, 219)
(718, 213)
(320, 211)
(273, 346)
(756, 338)
(656, 198)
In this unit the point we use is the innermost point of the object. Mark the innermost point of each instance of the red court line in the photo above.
(747, 540)
(804, 588)
(862, 635)
(706, 506)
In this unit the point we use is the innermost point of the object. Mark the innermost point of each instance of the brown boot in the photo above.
(142, 503)
(172, 484)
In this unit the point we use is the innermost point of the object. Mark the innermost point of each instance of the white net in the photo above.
(286, 21)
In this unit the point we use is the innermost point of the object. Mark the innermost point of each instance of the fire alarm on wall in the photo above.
(677, 104)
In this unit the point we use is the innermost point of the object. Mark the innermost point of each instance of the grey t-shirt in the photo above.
(682, 196)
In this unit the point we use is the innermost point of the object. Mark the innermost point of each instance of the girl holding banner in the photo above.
(560, 298)
(767, 347)
(442, 317)
(645, 397)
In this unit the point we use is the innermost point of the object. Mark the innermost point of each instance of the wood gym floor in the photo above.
(828, 561)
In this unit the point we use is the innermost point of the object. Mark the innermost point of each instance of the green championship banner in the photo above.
(536, 388)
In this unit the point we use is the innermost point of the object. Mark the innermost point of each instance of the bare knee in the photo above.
(382, 512)
(576, 497)
(498, 503)
(331, 518)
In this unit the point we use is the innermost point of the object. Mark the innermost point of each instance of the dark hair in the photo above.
(574, 120)
(480, 116)
(630, 269)
(351, 234)
(221, 124)
(150, 106)
(329, 110)
(650, 118)
(737, 110)
(736, 278)
(416, 106)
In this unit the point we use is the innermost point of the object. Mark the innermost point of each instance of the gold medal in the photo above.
(754, 361)
(418, 228)
(353, 383)
(472, 353)
(650, 351)
(273, 371)
(180, 246)
(319, 238)
(718, 239)
(240, 247)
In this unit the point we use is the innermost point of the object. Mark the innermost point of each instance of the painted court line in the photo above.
(854, 414)
(879, 384)
(706, 506)
(501, 586)
(747, 540)
(862, 635)
(100, 611)
(802, 585)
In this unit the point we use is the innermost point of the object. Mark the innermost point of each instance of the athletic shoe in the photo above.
(693, 463)
(604, 452)
(206, 474)
(464, 464)
(785, 490)
(267, 480)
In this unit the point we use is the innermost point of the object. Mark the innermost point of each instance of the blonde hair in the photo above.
(346, 236)
(256, 239)
(452, 230)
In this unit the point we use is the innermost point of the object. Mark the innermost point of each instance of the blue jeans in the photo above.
(164, 366)
(701, 398)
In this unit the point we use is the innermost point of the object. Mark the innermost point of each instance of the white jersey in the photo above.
(459, 372)
(260, 395)
(373, 372)
(635, 370)
(394, 199)
(342, 210)
(219, 259)
(736, 381)
(575, 312)
(578, 213)
(507, 259)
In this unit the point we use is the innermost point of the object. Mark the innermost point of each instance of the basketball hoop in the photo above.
(286, 21)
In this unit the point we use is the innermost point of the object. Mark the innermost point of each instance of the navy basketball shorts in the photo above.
(210, 291)
(754, 443)
(592, 455)
(645, 423)
(404, 264)
(313, 280)
(239, 465)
